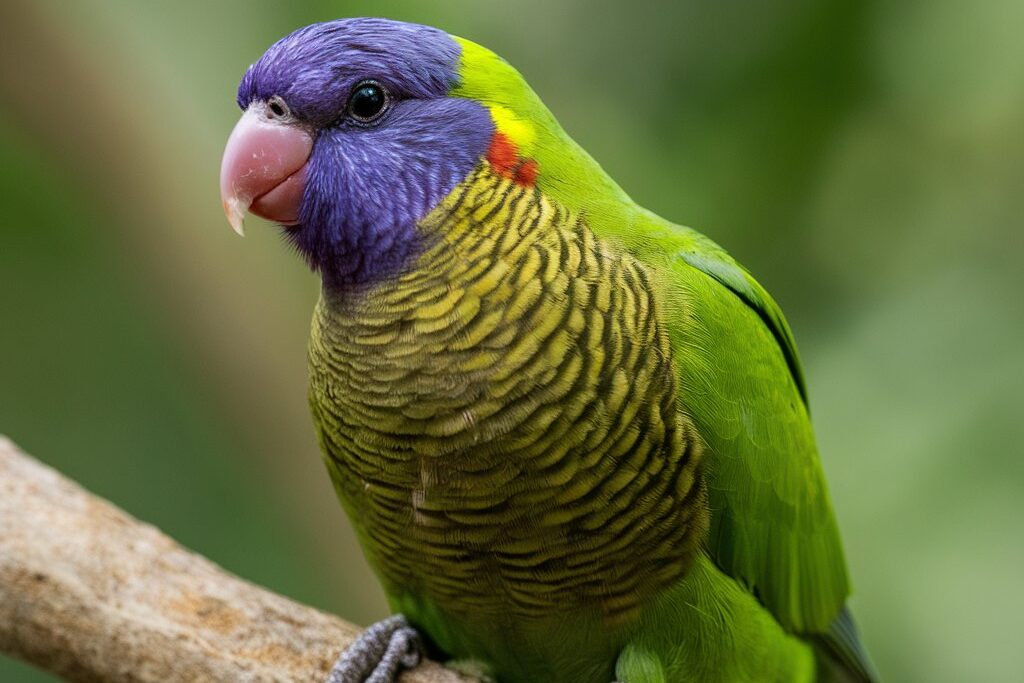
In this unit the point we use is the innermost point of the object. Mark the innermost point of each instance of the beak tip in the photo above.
(235, 209)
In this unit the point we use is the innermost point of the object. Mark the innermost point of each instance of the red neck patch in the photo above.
(503, 155)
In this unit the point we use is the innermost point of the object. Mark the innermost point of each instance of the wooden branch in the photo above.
(92, 594)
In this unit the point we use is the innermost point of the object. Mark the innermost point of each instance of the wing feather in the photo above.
(772, 526)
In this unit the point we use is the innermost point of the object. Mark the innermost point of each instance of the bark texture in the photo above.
(92, 594)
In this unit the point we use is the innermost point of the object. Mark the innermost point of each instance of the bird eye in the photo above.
(277, 108)
(368, 102)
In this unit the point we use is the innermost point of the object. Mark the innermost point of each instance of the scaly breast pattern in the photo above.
(502, 420)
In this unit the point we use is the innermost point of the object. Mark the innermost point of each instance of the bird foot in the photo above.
(378, 654)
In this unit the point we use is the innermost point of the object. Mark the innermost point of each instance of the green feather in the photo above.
(574, 437)
(772, 522)
(719, 265)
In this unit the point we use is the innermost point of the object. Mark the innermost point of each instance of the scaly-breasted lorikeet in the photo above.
(572, 436)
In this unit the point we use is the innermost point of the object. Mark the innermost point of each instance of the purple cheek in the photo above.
(367, 189)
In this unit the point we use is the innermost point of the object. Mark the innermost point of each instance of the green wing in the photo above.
(772, 524)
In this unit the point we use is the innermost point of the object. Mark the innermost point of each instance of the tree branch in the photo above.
(92, 594)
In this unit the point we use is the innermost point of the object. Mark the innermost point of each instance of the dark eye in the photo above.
(368, 102)
(277, 108)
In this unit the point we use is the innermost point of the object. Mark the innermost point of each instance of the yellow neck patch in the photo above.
(488, 79)
(519, 131)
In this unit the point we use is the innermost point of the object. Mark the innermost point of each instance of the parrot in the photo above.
(572, 437)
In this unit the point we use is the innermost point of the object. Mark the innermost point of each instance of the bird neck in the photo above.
(563, 170)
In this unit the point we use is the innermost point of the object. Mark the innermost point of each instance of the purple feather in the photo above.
(369, 185)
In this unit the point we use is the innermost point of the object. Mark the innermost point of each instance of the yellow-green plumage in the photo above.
(508, 442)
(505, 424)
(573, 437)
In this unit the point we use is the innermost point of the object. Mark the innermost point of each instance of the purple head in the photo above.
(349, 139)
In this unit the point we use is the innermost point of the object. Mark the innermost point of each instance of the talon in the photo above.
(379, 653)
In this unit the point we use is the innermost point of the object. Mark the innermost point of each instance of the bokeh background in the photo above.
(865, 159)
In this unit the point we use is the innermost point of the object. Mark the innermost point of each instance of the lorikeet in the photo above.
(572, 436)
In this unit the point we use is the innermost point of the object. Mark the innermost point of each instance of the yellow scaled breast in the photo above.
(502, 420)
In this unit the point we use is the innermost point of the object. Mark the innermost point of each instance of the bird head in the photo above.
(354, 130)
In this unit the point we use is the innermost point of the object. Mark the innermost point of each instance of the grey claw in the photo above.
(378, 653)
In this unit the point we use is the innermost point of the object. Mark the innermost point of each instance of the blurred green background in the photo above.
(864, 159)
